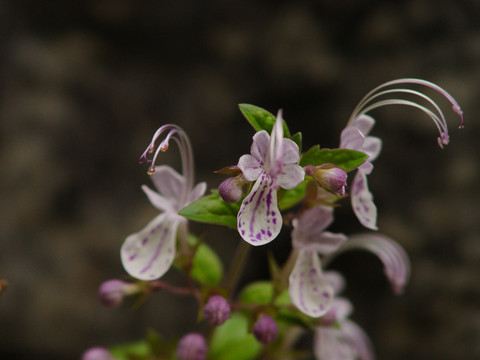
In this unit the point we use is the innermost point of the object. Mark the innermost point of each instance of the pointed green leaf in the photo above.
(231, 340)
(211, 209)
(207, 267)
(343, 158)
(293, 197)
(261, 119)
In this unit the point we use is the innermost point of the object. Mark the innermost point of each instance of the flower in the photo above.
(192, 347)
(217, 310)
(338, 338)
(149, 253)
(97, 353)
(265, 330)
(355, 135)
(272, 163)
(309, 291)
(112, 292)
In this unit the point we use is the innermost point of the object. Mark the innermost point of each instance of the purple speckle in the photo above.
(132, 257)
(326, 295)
(144, 241)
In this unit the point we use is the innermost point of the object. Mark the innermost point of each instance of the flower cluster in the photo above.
(272, 186)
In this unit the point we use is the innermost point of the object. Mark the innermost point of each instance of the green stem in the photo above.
(238, 263)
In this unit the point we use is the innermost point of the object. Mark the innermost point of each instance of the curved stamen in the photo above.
(180, 137)
(439, 120)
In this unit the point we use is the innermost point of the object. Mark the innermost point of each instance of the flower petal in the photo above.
(392, 255)
(362, 201)
(259, 148)
(308, 289)
(259, 219)
(311, 224)
(336, 280)
(250, 166)
(351, 138)
(168, 182)
(291, 176)
(347, 343)
(148, 254)
(290, 152)
(358, 340)
(162, 203)
(197, 192)
(364, 123)
(372, 147)
(329, 344)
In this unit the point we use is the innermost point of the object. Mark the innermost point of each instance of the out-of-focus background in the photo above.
(84, 84)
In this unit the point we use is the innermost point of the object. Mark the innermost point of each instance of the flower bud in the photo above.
(231, 190)
(192, 347)
(329, 177)
(97, 353)
(112, 292)
(217, 310)
(265, 330)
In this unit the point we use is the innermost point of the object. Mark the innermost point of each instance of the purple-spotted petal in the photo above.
(351, 138)
(259, 220)
(197, 192)
(162, 203)
(259, 148)
(308, 289)
(362, 201)
(291, 176)
(392, 255)
(148, 254)
(364, 123)
(250, 166)
(168, 182)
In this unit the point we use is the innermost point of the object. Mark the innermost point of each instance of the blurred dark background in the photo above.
(84, 84)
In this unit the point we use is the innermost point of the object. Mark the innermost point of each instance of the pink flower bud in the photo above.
(231, 190)
(112, 292)
(97, 353)
(329, 177)
(217, 310)
(192, 347)
(265, 330)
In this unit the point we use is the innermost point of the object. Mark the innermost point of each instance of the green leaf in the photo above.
(261, 119)
(258, 292)
(127, 351)
(343, 158)
(293, 197)
(207, 267)
(231, 341)
(211, 209)
(297, 139)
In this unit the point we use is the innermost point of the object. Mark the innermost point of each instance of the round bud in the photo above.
(217, 310)
(112, 292)
(265, 330)
(231, 190)
(192, 347)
